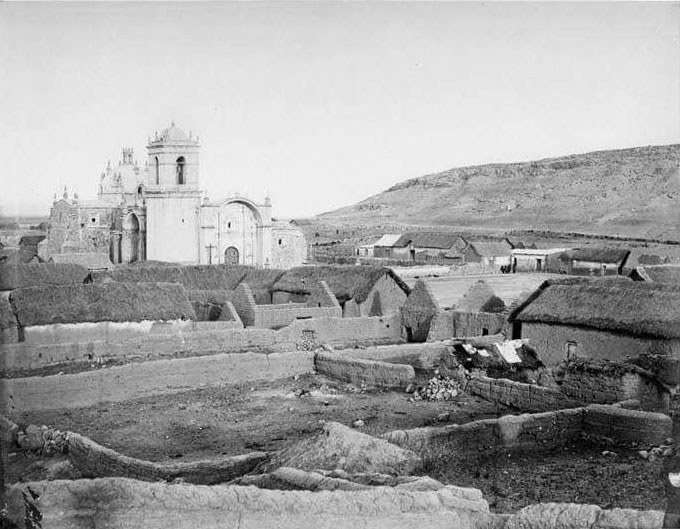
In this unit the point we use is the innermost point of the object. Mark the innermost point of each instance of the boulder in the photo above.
(340, 447)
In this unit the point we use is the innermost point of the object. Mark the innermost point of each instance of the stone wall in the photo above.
(550, 343)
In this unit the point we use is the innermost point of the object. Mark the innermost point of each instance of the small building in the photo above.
(360, 290)
(488, 253)
(600, 319)
(419, 246)
(591, 261)
(532, 259)
(463, 306)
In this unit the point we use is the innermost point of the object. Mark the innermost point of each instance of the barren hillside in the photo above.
(629, 192)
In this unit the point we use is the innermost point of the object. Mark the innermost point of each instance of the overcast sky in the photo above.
(324, 104)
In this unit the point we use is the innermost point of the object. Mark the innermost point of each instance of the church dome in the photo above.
(174, 133)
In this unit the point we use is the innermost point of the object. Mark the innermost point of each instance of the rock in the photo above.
(410, 388)
(643, 454)
(32, 438)
(358, 423)
(340, 447)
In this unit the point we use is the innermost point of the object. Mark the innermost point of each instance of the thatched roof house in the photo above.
(91, 260)
(14, 276)
(117, 302)
(488, 252)
(355, 287)
(600, 319)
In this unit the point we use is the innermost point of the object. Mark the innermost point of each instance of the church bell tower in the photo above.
(173, 197)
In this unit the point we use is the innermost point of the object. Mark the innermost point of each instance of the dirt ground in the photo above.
(232, 420)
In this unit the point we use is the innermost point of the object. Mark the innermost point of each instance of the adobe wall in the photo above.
(535, 431)
(361, 371)
(602, 388)
(525, 397)
(95, 461)
(550, 343)
(110, 503)
(475, 323)
(386, 297)
(418, 313)
(143, 379)
(114, 331)
(244, 304)
(426, 356)
(277, 316)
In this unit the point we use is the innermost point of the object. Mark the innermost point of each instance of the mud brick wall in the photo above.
(601, 388)
(95, 461)
(369, 372)
(525, 397)
(529, 431)
(423, 356)
(623, 426)
(475, 323)
(277, 316)
(144, 379)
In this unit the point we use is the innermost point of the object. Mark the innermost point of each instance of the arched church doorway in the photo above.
(231, 255)
(130, 241)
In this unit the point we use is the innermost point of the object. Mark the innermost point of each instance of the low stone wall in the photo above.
(360, 371)
(546, 430)
(119, 502)
(144, 379)
(95, 461)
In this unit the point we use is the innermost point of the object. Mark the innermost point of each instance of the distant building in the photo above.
(533, 260)
(158, 212)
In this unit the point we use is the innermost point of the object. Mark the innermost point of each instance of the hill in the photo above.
(629, 192)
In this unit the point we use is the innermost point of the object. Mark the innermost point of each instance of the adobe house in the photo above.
(600, 319)
(532, 259)
(419, 246)
(360, 290)
(461, 306)
(488, 253)
(591, 261)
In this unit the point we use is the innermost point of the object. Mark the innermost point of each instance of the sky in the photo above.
(322, 104)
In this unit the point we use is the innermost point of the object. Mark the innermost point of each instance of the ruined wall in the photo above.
(551, 341)
(604, 388)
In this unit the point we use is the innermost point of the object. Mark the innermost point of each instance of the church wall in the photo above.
(289, 248)
(172, 228)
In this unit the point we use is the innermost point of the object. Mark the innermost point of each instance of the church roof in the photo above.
(174, 133)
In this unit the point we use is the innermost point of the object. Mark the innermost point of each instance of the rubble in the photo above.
(438, 388)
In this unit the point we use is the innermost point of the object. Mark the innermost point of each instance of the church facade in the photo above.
(159, 212)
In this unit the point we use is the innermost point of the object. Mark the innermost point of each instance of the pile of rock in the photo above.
(43, 439)
(664, 450)
(438, 388)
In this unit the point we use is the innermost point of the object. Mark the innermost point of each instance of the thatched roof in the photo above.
(481, 298)
(641, 309)
(214, 297)
(601, 255)
(442, 241)
(194, 277)
(119, 302)
(31, 239)
(21, 256)
(91, 261)
(346, 282)
(14, 276)
(261, 278)
(662, 274)
(491, 248)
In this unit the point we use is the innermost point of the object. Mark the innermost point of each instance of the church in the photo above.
(159, 212)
